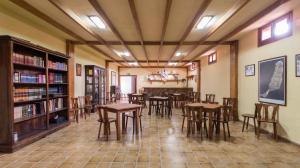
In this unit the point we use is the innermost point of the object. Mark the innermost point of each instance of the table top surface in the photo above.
(137, 94)
(204, 105)
(159, 98)
(121, 106)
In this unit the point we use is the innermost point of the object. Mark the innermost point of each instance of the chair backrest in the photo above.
(268, 112)
(88, 100)
(129, 97)
(196, 96)
(225, 113)
(103, 117)
(210, 98)
(81, 101)
(74, 103)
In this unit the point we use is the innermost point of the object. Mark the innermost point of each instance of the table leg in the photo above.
(218, 123)
(137, 120)
(188, 121)
(123, 124)
(210, 125)
(162, 108)
(118, 126)
(150, 106)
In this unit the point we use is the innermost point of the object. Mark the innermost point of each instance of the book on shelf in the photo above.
(56, 104)
(29, 60)
(26, 76)
(57, 65)
(56, 91)
(25, 94)
(55, 78)
(29, 110)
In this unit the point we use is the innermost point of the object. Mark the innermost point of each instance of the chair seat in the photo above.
(248, 115)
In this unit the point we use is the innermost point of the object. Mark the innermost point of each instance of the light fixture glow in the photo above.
(124, 53)
(97, 21)
(172, 63)
(133, 63)
(281, 27)
(204, 22)
(177, 54)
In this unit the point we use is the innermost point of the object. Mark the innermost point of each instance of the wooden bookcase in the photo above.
(95, 84)
(34, 96)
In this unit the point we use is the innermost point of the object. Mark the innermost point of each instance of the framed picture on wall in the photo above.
(298, 65)
(250, 70)
(113, 78)
(272, 80)
(78, 69)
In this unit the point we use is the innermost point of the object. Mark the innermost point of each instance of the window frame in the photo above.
(272, 24)
(211, 55)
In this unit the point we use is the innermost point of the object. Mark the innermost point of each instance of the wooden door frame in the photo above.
(135, 87)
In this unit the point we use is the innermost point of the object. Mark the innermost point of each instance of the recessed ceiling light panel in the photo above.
(98, 22)
(204, 22)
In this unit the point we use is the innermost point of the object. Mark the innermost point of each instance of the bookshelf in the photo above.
(95, 84)
(34, 96)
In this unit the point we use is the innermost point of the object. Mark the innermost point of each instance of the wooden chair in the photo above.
(210, 98)
(81, 102)
(268, 114)
(258, 107)
(169, 106)
(144, 100)
(197, 96)
(231, 103)
(196, 121)
(74, 107)
(129, 97)
(223, 119)
(105, 120)
(87, 106)
(129, 115)
(184, 115)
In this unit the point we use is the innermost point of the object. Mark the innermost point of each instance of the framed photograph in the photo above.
(250, 70)
(113, 78)
(78, 69)
(272, 81)
(298, 65)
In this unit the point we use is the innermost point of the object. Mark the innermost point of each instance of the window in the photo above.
(212, 58)
(277, 29)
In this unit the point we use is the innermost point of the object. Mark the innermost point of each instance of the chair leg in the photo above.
(228, 130)
(258, 130)
(126, 122)
(254, 125)
(244, 124)
(182, 123)
(247, 123)
(200, 124)
(107, 130)
(205, 127)
(224, 131)
(275, 131)
(99, 130)
(141, 127)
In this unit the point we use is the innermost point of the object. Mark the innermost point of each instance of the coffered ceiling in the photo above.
(151, 31)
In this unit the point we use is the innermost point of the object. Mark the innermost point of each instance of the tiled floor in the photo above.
(162, 144)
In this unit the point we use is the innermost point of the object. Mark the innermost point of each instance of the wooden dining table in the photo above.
(159, 99)
(176, 97)
(122, 108)
(208, 108)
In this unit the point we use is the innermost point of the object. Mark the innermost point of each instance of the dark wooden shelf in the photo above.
(30, 101)
(29, 66)
(28, 118)
(58, 110)
(58, 83)
(57, 70)
(58, 96)
(30, 84)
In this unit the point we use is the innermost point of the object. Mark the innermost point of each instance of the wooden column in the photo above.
(199, 77)
(107, 76)
(70, 49)
(234, 47)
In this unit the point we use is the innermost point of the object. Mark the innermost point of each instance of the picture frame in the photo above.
(113, 78)
(250, 70)
(297, 65)
(78, 69)
(272, 80)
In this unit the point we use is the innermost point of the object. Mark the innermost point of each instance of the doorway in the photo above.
(128, 84)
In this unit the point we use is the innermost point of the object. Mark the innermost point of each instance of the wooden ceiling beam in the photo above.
(250, 21)
(88, 30)
(55, 24)
(164, 28)
(190, 27)
(229, 14)
(104, 16)
(137, 25)
(160, 43)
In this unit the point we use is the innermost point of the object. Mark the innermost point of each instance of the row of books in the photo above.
(56, 104)
(57, 65)
(56, 90)
(55, 78)
(25, 94)
(29, 60)
(29, 77)
(29, 110)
